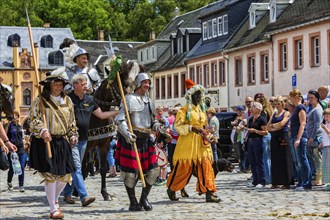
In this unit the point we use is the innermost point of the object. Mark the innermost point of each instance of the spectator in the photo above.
(299, 142)
(314, 133)
(323, 91)
(326, 149)
(281, 159)
(15, 135)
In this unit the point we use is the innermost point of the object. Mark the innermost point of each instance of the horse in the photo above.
(6, 101)
(101, 132)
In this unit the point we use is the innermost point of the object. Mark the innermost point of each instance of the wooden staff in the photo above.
(130, 129)
(36, 67)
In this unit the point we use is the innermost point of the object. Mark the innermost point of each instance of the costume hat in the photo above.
(56, 75)
(189, 83)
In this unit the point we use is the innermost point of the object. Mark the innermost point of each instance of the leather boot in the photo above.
(184, 193)
(171, 195)
(133, 205)
(211, 198)
(144, 200)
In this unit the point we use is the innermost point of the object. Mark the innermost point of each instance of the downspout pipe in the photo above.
(227, 70)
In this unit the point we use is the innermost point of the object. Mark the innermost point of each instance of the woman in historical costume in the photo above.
(60, 131)
(193, 152)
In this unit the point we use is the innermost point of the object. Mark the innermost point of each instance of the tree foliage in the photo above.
(124, 20)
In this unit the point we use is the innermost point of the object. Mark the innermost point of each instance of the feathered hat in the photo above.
(57, 75)
(192, 89)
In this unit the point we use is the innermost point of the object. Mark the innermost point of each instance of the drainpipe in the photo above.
(227, 70)
(272, 68)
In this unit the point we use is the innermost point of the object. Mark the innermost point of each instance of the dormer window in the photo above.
(205, 33)
(256, 12)
(56, 58)
(14, 40)
(252, 20)
(272, 12)
(46, 41)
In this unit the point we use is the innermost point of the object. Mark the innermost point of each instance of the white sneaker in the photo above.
(260, 186)
(21, 189)
(300, 188)
(250, 185)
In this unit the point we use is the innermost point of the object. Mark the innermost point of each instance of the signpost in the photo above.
(294, 81)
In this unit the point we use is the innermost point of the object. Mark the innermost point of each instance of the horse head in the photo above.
(6, 100)
(109, 91)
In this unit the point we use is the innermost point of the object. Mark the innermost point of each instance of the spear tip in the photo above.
(27, 15)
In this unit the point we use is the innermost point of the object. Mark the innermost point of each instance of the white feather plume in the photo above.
(69, 52)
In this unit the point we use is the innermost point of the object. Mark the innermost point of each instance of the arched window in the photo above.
(56, 58)
(14, 40)
(26, 97)
(46, 41)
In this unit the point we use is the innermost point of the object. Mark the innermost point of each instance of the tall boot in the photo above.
(144, 200)
(211, 198)
(133, 205)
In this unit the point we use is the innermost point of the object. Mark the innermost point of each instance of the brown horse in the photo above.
(6, 101)
(101, 132)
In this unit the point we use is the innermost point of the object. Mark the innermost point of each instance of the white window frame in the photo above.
(205, 31)
(252, 19)
(178, 41)
(187, 42)
(284, 51)
(210, 29)
(272, 8)
(222, 71)
(225, 24)
(252, 61)
(192, 73)
(207, 75)
(147, 54)
(239, 69)
(265, 67)
(200, 75)
(220, 29)
(316, 49)
(215, 27)
(299, 53)
(215, 74)
(141, 55)
(153, 52)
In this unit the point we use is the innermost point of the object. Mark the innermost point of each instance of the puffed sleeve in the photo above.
(181, 125)
(36, 123)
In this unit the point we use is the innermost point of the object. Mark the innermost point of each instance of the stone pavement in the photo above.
(238, 201)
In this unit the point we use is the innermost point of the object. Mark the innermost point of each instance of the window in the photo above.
(215, 27)
(14, 40)
(251, 69)
(298, 52)
(283, 55)
(141, 56)
(222, 72)
(220, 26)
(46, 41)
(199, 75)
(176, 86)
(225, 24)
(214, 74)
(153, 52)
(56, 58)
(264, 66)
(183, 85)
(163, 87)
(147, 54)
(180, 45)
(272, 17)
(192, 73)
(169, 87)
(205, 31)
(209, 27)
(315, 50)
(252, 19)
(206, 74)
(26, 97)
(157, 86)
(238, 71)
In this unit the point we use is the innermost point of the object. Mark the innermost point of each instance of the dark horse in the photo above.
(101, 132)
(6, 101)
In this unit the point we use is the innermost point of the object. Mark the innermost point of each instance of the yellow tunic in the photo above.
(190, 147)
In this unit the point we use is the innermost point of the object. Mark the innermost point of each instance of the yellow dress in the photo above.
(192, 155)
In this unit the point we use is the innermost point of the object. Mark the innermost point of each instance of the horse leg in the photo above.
(104, 152)
(85, 160)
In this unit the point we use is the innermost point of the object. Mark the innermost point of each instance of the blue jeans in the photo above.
(22, 159)
(214, 151)
(301, 164)
(243, 157)
(77, 178)
(255, 153)
(266, 157)
(110, 157)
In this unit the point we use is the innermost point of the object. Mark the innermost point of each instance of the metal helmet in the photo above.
(79, 52)
(140, 78)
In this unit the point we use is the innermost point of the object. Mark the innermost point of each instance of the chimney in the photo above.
(16, 60)
(46, 25)
(176, 12)
(152, 35)
(101, 35)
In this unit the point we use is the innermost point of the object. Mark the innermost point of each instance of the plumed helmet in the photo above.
(140, 78)
(79, 52)
(56, 75)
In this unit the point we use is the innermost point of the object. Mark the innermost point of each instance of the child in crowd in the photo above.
(326, 149)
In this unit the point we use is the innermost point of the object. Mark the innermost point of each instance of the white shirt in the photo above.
(325, 136)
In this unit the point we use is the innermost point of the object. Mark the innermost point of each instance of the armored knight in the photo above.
(81, 66)
(142, 115)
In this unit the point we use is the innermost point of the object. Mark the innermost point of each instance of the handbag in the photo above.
(4, 163)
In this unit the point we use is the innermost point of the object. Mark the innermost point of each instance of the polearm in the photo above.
(130, 129)
(36, 67)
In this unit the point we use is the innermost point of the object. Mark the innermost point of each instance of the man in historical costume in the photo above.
(81, 59)
(60, 130)
(193, 152)
(84, 107)
(142, 116)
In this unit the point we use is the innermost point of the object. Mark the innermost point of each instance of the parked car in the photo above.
(225, 146)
